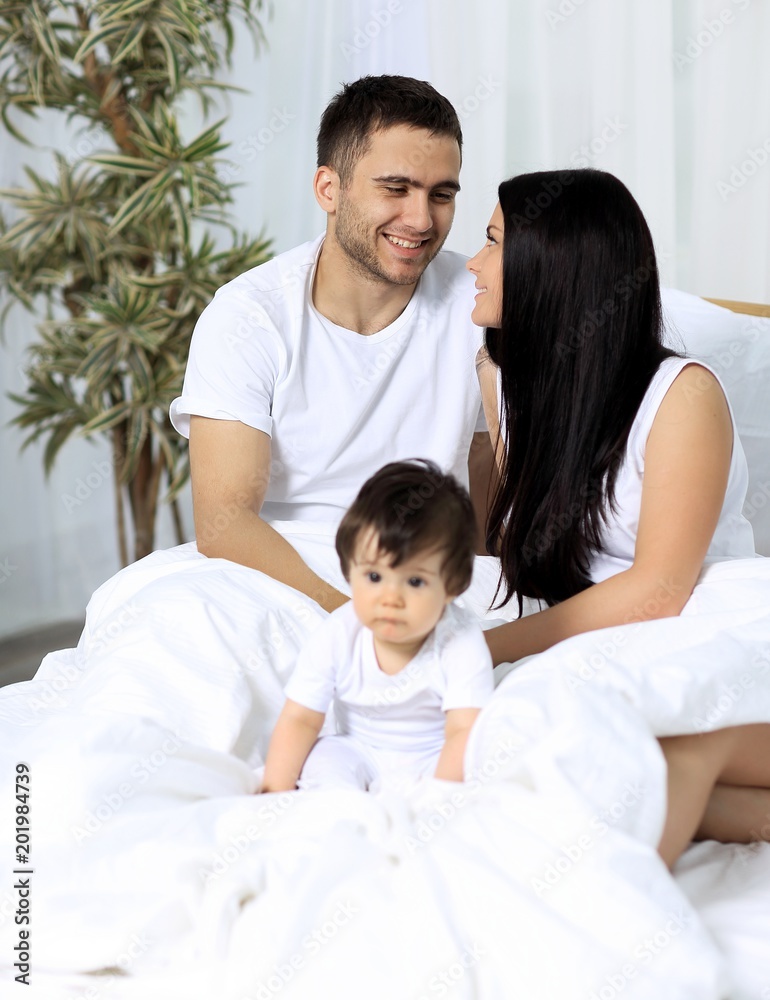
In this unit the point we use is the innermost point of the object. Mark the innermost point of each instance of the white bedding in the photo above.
(158, 874)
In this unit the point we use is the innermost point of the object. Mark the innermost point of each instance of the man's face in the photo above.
(398, 208)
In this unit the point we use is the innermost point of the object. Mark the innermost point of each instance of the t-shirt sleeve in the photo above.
(467, 667)
(236, 356)
(313, 681)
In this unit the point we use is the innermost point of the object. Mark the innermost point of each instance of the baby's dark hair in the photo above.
(414, 507)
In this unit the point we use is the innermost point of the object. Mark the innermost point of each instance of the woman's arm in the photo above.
(482, 475)
(295, 733)
(487, 376)
(687, 461)
(456, 731)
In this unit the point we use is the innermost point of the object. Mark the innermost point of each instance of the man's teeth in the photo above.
(403, 243)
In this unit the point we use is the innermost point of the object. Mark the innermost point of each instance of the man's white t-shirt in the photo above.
(337, 405)
(403, 711)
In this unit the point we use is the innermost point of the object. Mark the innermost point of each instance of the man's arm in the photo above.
(230, 471)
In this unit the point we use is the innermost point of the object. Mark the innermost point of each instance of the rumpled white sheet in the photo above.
(158, 874)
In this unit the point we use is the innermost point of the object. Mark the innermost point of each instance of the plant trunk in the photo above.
(178, 525)
(118, 453)
(143, 503)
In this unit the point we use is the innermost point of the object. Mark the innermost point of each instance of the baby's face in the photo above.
(400, 604)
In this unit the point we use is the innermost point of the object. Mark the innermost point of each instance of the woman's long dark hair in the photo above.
(579, 342)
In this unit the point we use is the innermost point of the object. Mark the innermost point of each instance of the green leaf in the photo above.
(161, 436)
(130, 41)
(206, 144)
(59, 436)
(138, 429)
(181, 216)
(201, 81)
(108, 419)
(179, 481)
(44, 32)
(125, 11)
(141, 369)
(158, 280)
(140, 201)
(172, 62)
(24, 227)
(118, 163)
(99, 362)
(97, 37)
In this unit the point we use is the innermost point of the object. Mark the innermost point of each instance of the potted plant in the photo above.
(116, 250)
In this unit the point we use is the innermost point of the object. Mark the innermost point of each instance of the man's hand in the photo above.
(230, 471)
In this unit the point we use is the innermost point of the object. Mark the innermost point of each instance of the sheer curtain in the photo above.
(673, 96)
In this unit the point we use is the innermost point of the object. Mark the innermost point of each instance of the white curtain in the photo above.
(671, 95)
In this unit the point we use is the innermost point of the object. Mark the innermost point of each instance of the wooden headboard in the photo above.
(750, 308)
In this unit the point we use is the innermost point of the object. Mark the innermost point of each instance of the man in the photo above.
(308, 373)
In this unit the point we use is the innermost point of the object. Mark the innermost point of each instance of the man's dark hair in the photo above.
(414, 507)
(379, 102)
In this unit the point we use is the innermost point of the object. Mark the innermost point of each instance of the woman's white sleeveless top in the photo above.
(733, 537)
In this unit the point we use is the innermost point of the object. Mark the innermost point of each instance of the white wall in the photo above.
(672, 95)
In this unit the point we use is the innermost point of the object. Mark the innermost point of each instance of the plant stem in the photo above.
(100, 78)
(117, 462)
(176, 514)
(138, 493)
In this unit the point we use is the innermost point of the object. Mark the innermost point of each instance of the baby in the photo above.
(408, 670)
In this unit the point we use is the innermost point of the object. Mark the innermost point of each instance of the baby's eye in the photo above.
(416, 581)
(373, 577)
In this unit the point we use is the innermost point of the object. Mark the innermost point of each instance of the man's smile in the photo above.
(405, 248)
(400, 241)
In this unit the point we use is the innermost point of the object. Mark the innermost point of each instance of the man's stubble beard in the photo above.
(352, 235)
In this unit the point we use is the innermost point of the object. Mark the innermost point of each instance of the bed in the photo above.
(152, 871)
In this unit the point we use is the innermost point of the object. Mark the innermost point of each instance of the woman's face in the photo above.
(487, 267)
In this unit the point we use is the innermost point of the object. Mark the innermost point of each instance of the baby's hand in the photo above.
(259, 777)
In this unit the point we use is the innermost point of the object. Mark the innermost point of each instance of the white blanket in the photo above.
(158, 874)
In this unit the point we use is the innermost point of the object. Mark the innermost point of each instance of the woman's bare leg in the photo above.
(694, 765)
(737, 815)
(718, 786)
(739, 808)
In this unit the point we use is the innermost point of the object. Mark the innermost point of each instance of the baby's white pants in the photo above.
(344, 761)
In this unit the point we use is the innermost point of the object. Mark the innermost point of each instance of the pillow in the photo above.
(737, 347)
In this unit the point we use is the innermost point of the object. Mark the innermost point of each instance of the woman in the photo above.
(620, 473)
